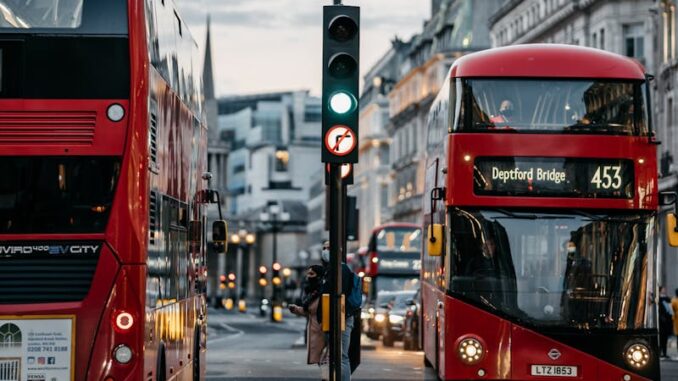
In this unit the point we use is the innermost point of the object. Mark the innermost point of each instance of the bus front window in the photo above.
(28, 14)
(555, 106)
(576, 270)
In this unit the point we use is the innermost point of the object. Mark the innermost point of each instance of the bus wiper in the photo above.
(607, 218)
(530, 216)
(593, 127)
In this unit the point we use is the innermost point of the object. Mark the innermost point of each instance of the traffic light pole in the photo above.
(337, 205)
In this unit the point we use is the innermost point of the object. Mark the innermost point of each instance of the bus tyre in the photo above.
(196, 354)
(388, 339)
(161, 365)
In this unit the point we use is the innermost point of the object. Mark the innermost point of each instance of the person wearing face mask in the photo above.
(350, 338)
(315, 338)
(505, 113)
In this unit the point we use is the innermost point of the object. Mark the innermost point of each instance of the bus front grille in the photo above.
(47, 127)
(45, 279)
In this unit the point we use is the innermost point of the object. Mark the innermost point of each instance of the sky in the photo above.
(276, 45)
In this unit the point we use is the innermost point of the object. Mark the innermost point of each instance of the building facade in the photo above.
(456, 27)
(666, 77)
(275, 140)
(372, 174)
(624, 26)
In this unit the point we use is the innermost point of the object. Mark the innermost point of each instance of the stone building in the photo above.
(456, 27)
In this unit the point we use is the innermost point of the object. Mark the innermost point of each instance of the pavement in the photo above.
(248, 347)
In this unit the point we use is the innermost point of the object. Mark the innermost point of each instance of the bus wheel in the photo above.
(161, 368)
(196, 354)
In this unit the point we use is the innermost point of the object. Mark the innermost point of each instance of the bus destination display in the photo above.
(554, 177)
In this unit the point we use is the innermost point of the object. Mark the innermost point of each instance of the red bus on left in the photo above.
(103, 192)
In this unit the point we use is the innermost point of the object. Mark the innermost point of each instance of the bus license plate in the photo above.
(554, 371)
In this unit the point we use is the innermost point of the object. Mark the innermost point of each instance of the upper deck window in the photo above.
(555, 106)
(30, 14)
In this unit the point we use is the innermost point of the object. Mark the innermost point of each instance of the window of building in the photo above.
(634, 41)
(594, 40)
(239, 168)
(669, 114)
(313, 113)
(669, 33)
(282, 159)
(602, 38)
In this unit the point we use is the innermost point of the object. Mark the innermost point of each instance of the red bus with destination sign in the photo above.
(102, 201)
(540, 218)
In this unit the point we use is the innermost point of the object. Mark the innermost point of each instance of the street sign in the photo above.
(340, 140)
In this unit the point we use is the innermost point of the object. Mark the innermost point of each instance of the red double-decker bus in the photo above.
(102, 151)
(540, 224)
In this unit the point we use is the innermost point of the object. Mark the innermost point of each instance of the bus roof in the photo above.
(547, 60)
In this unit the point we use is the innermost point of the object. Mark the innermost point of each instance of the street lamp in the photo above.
(276, 217)
(242, 240)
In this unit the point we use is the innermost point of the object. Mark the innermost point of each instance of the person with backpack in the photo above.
(351, 288)
(665, 321)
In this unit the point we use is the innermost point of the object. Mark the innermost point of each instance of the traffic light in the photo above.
(341, 63)
(222, 281)
(231, 281)
(275, 277)
(263, 282)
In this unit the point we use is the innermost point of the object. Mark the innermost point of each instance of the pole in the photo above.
(239, 273)
(336, 207)
(274, 288)
(221, 270)
(337, 2)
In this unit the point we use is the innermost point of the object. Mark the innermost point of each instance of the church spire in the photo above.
(208, 75)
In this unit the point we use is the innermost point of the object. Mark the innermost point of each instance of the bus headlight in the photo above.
(123, 354)
(470, 350)
(379, 318)
(115, 112)
(395, 319)
(637, 355)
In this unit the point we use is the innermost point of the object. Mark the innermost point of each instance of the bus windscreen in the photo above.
(555, 106)
(576, 270)
(56, 194)
(27, 14)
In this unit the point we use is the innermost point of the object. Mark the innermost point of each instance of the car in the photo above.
(412, 324)
(395, 317)
(373, 319)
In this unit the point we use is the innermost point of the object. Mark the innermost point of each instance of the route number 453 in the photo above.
(607, 177)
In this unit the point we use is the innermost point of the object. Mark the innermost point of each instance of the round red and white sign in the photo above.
(340, 140)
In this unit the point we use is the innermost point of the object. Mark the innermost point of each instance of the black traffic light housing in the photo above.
(341, 74)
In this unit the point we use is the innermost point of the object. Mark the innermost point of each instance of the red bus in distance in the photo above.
(102, 203)
(540, 218)
(392, 263)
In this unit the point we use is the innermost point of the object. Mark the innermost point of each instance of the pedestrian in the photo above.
(665, 320)
(674, 307)
(350, 349)
(315, 338)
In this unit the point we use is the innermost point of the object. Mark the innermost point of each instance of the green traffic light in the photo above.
(341, 102)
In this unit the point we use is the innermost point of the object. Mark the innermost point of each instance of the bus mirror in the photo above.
(435, 240)
(220, 234)
(671, 231)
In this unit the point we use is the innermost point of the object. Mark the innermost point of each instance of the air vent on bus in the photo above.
(153, 217)
(47, 127)
(46, 279)
(153, 136)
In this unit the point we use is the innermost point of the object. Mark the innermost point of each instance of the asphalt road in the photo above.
(247, 347)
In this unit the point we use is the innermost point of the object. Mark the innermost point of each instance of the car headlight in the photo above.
(637, 355)
(379, 318)
(470, 350)
(364, 315)
(395, 319)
